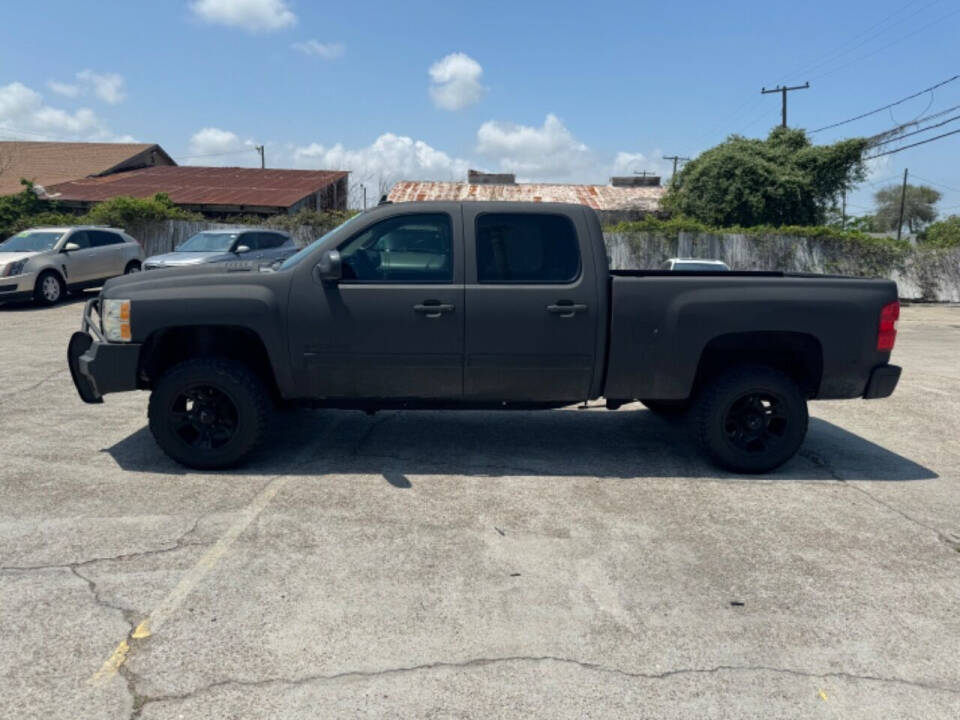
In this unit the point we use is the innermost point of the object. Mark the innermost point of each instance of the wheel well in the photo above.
(797, 354)
(165, 348)
(133, 262)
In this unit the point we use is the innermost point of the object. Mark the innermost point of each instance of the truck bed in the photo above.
(662, 323)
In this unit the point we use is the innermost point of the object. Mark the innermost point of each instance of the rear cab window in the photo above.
(527, 248)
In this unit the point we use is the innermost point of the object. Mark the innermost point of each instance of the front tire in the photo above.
(49, 289)
(751, 419)
(209, 413)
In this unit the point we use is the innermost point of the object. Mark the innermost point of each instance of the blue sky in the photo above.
(563, 91)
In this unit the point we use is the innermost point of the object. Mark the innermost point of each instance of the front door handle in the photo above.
(433, 308)
(566, 309)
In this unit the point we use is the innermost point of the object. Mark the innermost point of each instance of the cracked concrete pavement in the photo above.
(576, 563)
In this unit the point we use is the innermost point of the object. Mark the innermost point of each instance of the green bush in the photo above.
(943, 234)
(126, 211)
(319, 221)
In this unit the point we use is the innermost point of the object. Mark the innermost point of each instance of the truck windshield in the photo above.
(31, 241)
(208, 242)
(303, 252)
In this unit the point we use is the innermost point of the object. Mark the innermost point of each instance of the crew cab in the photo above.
(482, 305)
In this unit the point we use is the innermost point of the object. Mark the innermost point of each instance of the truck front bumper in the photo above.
(99, 367)
(883, 381)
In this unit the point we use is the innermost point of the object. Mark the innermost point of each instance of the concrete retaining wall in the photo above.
(921, 273)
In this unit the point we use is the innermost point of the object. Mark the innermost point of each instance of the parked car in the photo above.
(695, 265)
(213, 246)
(44, 263)
(483, 305)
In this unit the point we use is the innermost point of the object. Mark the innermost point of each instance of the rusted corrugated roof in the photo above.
(192, 185)
(46, 163)
(599, 197)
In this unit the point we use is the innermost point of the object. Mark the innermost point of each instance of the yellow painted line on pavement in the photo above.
(188, 582)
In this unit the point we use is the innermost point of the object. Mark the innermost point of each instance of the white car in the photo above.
(695, 265)
(44, 263)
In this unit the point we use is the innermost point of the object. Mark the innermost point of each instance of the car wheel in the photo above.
(132, 267)
(751, 419)
(49, 288)
(667, 408)
(209, 413)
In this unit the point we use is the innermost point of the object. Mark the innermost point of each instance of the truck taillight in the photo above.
(887, 334)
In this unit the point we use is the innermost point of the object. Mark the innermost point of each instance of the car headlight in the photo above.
(14, 268)
(115, 320)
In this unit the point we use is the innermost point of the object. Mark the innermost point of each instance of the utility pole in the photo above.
(676, 159)
(783, 91)
(263, 159)
(364, 188)
(903, 201)
(843, 212)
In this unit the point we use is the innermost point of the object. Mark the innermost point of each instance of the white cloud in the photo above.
(24, 113)
(549, 152)
(327, 51)
(108, 87)
(213, 146)
(455, 82)
(65, 89)
(378, 166)
(251, 15)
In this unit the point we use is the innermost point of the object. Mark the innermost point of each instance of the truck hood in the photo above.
(192, 275)
(179, 259)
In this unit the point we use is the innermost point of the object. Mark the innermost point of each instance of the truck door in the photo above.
(531, 306)
(392, 328)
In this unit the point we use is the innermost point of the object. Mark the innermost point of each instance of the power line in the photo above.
(839, 51)
(885, 107)
(868, 37)
(915, 132)
(934, 182)
(907, 147)
(888, 45)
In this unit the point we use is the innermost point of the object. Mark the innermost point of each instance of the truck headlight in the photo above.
(115, 320)
(14, 268)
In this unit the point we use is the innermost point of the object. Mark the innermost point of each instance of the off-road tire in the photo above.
(243, 388)
(716, 418)
(42, 297)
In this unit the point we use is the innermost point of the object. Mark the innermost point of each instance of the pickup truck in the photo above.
(482, 305)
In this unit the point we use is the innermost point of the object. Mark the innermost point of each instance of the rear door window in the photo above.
(525, 248)
(102, 238)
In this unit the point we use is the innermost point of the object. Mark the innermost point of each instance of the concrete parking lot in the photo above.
(566, 564)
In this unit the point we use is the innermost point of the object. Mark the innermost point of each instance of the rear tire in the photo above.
(49, 289)
(209, 413)
(132, 267)
(751, 419)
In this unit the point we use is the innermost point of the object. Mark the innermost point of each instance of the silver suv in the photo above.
(44, 263)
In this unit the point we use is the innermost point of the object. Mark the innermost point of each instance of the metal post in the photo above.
(903, 201)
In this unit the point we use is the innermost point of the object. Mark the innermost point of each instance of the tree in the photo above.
(918, 210)
(783, 180)
(944, 234)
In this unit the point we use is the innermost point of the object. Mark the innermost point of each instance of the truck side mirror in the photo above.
(329, 268)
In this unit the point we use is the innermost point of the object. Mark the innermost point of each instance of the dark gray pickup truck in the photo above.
(482, 305)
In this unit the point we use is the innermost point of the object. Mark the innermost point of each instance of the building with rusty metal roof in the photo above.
(49, 163)
(624, 198)
(214, 191)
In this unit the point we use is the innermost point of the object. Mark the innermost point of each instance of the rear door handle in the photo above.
(566, 309)
(432, 308)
